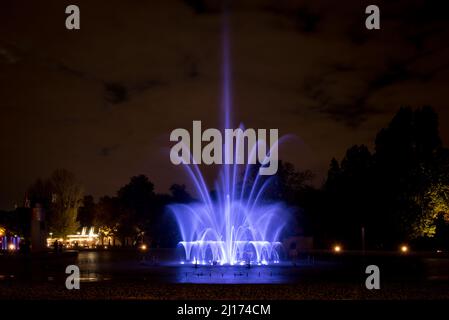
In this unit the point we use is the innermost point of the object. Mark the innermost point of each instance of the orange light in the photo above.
(143, 247)
(337, 248)
(12, 247)
(404, 249)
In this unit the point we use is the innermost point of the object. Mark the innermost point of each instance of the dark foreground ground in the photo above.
(131, 275)
(149, 291)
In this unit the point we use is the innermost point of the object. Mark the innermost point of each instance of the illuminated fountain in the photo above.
(238, 225)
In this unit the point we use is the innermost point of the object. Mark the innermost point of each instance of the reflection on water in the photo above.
(231, 274)
(102, 266)
(135, 266)
(93, 264)
(110, 265)
(437, 269)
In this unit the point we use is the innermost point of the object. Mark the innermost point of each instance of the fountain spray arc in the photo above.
(238, 225)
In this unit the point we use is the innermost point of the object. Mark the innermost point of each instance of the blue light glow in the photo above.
(238, 225)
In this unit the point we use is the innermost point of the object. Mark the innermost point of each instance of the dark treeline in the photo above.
(399, 192)
(134, 215)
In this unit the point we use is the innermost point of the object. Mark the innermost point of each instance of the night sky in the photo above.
(102, 101)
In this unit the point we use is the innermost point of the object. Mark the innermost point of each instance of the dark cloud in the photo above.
(355, 108)
(115, 92)
(394, 73)
(8, 56)
(106, 151)
(146, 85)
(191, 66)
(198, 6)
(306, 20)
(354, 114)
(207, 6)
(358, 35)
(74, 72)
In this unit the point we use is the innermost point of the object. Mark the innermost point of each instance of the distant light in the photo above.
(404, 249)
(12, 247)
(143, 247)
(105, 247)
(182, 262)
(337, 248)
(439, 251)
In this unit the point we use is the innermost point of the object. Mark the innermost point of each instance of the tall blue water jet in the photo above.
(238, 225)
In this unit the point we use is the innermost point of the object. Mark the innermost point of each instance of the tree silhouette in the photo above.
(66, 198)
(397, 193)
